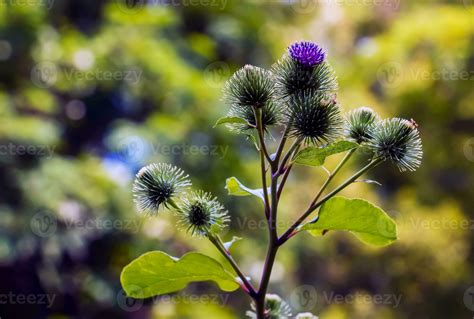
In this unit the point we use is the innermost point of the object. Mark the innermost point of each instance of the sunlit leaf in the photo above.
(157, 273)
(366, 221)
(236, 188)
(315, 156)
(230, 119)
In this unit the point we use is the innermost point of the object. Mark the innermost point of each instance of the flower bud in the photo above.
(360, 123)
(201, 214)
(306, 53)
(249, 87)
(303, 68)
(398, 140)
(314, 117)
(271, 115)
(156, 184)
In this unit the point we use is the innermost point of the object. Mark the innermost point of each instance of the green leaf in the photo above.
(366, 221)
(229, 244)
(157, 273)
(230, 119)
(252, 138)
(315, 156)
(236, 188)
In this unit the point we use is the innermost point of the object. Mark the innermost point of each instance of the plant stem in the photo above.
(216, 240)
(296, 144)
(272, 246)
(258, 120)
(286, 173)
(311, 209)
(281, 146)
(283, 180)
(331, 176)
(271, 253)
(267, 271)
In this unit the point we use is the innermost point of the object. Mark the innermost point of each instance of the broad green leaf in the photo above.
(315, 156)
(366, 221)
(236, 188)
(157, 273)
(230, 119)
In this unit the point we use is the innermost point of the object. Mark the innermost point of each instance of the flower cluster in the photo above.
(158, 185)
(299, 92)
(304, 68)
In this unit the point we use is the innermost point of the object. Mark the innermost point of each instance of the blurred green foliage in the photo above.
(98, 89)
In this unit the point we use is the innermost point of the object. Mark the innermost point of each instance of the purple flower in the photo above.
(306, 53)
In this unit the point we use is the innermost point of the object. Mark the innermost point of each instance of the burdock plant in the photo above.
(298, 96)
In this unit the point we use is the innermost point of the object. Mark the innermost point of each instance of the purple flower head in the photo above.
(306, 53)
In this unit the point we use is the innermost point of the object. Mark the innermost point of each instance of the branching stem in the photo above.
(312, 208)
(216, 241)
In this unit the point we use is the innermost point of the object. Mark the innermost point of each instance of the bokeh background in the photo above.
(90, 91)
